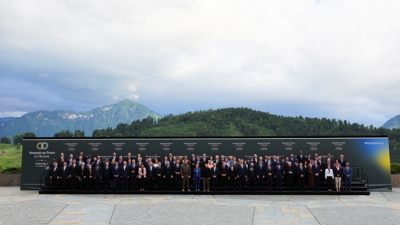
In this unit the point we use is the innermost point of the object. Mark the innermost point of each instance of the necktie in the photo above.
(279, 168)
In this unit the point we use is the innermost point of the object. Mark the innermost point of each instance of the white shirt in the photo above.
(328, 173)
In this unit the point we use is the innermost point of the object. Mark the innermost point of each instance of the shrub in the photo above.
(395, 168)
(12, 170)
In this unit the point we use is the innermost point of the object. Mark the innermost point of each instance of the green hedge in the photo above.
(10, 170)
(395, 168)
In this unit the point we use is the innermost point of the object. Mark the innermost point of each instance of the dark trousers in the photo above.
(347, 183)
(269, 183)
(329, 182)
(142, 182)
(97, 182)
(73, 182)
(278, 181)
(224, 182)
(46, 183)
(116, 183)
(124, 183)
(89, 183)
(106, 183)
(167, 182)
(197, 183)
(214, 183)
(260, 182)
(242, 183)
(177, 181)
(64, 182)
(159, 182)
(151, 183)
(289, 180)
(232, 184)
(81, 183)
(133, 182)
(301, 183)
(316, 183)
(54, 182)
(251, 184)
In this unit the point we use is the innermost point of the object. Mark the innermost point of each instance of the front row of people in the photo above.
(235, 177)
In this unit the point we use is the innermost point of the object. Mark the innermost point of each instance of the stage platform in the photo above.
(208, 193)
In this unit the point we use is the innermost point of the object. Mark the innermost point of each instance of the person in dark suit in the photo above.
(81, 175)
(347, 173)
(133, 175)
(241, 175)
(232, 177)
(214, 177)
(81, 157)
(46, 177)
(164, 162)
(269, 174)
(89, 178)
(55, 176)
(168, 175)
(278, 174)
(260, 171)
(223, 171)
(61, 160)
(289, 173)
(116, 171)
(70, 159)
(177, 174)
(124, 176)
(73, 171)
(300, 157)
(64, 176)
(159, 176)
(206, 176)
(342, 161)
(316, 170)
(97, 175)
(301, 176)
(251, 174)
(107, 174)
(151, 175)
(114, 156)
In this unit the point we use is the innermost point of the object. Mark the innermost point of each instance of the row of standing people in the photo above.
(127, 174)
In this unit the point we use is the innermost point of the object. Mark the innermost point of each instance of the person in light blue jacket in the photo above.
(197, 177)
(347, 172)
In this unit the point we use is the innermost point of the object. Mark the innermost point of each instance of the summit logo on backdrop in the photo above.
(42, 146)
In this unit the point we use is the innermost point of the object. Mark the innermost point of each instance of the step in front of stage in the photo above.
(357, 188)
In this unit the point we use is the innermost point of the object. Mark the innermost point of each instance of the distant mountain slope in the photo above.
(46, 124)
(392, 123)
(5, 119)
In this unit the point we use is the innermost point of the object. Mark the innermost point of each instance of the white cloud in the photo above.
(334, 59)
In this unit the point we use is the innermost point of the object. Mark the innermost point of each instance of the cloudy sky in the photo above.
(327, 58)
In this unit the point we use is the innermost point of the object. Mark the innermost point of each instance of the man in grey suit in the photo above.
(46, 177)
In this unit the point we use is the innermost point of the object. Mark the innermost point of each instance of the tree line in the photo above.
(240, 122)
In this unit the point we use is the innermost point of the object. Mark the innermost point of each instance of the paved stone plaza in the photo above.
(28, 207)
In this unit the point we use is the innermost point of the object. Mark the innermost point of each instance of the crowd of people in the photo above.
(197, 173)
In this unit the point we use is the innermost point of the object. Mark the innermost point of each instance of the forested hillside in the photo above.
(247, 122)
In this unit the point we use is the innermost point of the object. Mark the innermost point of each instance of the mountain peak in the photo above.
(392, 123)
(46, 123)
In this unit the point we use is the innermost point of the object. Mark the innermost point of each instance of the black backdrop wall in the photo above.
(370, 153)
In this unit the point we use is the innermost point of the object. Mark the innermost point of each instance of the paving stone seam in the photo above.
(313, 215)
(57, 214)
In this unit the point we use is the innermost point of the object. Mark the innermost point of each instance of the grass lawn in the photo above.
(11, 158)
